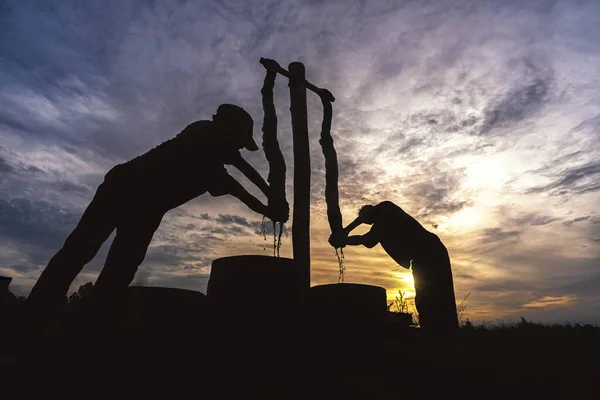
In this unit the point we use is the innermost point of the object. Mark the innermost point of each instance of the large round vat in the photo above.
(252, 293)
(165, 310)
(347, 306)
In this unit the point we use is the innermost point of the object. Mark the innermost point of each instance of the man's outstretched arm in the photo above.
(340, 239)
(279, 214)
(367, 240)
(235, 189)
(249, 172)
(353, 225)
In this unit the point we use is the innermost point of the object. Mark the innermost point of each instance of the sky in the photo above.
(479, 118)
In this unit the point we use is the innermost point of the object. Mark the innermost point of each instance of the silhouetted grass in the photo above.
(523, 326)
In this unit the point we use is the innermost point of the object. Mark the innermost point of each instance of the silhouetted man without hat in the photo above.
(411, 246)
(135, 196)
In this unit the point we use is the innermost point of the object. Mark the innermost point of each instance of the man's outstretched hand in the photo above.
(279, 211)
(338, 239)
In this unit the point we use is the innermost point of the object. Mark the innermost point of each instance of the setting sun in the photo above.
(409, 280)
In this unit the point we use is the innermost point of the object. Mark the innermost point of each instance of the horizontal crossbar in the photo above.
(326, 94)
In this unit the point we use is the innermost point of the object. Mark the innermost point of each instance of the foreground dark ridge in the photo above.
(502, 361)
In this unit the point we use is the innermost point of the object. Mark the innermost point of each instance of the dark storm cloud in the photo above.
(501, 242)
(576, 180)
(435, 190)
(5, 168)
(408, 146)
(174, 255)
(183, 247)
(19, 268)
(38, 223)
(225, 231)
(268, 230)
(573, 172)
(33, 232)
(71, 187)
(203, 216)
(518, 104)
(575, 220)
(462, 275)
(502, 287)
(499, 235)
(533, 219)
(83, 44)
(232, 225)
(73, 104)
(585, 287)
(232, 219)
(592, 229)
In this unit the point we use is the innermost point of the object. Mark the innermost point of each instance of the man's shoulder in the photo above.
(197, 137)
(389, 213)
(191, 140)
(200, 123)
(387, 206)
(196, 128)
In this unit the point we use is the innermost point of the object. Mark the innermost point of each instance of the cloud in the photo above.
(471, 112)
(584, 287)
(576, 180)
(505, 286)
(5, 168)
(44, 224)
(575, 220)
(520, 103)
(142, 278)
(232, 219)
(552, 302)
(535, 219)
(436, 191)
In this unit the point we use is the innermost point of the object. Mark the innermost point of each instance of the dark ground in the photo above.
(516, 362)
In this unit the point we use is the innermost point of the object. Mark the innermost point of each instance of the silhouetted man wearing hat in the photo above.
(415, 248)
(135, 196)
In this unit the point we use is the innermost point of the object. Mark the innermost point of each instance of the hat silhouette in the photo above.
(239, 119)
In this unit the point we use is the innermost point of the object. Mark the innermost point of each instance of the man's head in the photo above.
(238, 124)
(367, 214)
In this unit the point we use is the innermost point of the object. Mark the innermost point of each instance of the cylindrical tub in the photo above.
(161, 310)
(348, 307)
(253, 293)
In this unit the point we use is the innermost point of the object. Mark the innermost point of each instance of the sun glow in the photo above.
(409, 280)
(406, 286)
(466, 218)
(490, 172)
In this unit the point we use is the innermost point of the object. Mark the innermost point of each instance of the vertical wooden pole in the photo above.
(301, 215)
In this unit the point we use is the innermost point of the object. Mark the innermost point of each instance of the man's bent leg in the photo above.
(435, 299)
(96, 225)
(445, 300)
(127, 252)
(423, 299)
(49, 293)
